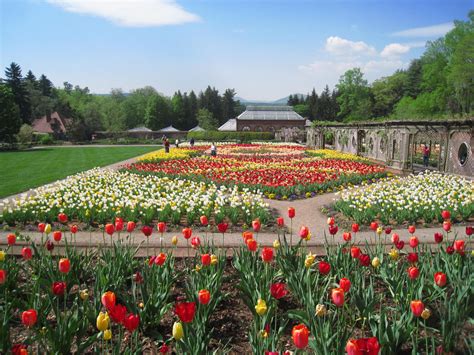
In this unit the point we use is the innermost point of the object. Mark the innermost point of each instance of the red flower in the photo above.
(109, 229)
(278, 290)
(400, 245)
(58, 288)
(164, 349)
(267, 255)
(11, 239)
(131, 322)
(280, 222)
(417, 307)
(374, 226)
(247, 235)
(256, 225)
(291, 212)
(337, 296)
(438, 237)
(447, 226)
(73, 229)
(395, 238)
(49, 245)
(355, 228)
(29, 317)
(62, 218)
(459, 246)
(222, 227)
(108, 299)
(412, 257)
(414, 242)
(251, 244)
(26, 253)
(138, 278)
(364, 260)
(300, 335)
(345, 284)
(130, 226)
(304, 232)
(331, 221)
(161, 226)
(64, 265)
(41, 227)
(205, 259)
(118, 224)
(117, 313)
(362, 346)
(19, 349)
(187, 232)
(450, 250)
(347, 236)
(388, 230)
(333, 229)
(204, 296)
(355, 252)
(3, 276)
(160, 259)
(185, 311)
(204, 221)
(411, 229)
(324, 267)
(440, 279)
(195, 242)
(57, 235)
(413, 272)
(446, 214)
(469, 230)
(147, 230)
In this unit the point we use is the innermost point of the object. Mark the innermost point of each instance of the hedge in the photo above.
(231, 136)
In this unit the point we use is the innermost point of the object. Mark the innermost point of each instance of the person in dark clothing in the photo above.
(191, 142)
(167, 145)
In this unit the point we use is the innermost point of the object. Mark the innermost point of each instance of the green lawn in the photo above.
(22, 170)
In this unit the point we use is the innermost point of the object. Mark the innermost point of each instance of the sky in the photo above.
(264, 49)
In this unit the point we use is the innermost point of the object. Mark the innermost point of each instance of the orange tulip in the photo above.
(108, 299)
(417, 307)
(300, 335)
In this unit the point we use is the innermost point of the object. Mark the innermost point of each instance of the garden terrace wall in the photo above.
(398, 144)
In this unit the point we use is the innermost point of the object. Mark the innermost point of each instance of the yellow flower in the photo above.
(261, 307)
(276, 244)
(141, 305)
(102, 321)
(197, 268)
(174, 240)
(379, 230)
(393, 254)
(107, 334)
(84, 294)
(214, 259)
(47, 228)
(321, 310)
(309, 260)
(178, 332)
(426, 314)
(264, 334)
(2, 255)
(375, 262)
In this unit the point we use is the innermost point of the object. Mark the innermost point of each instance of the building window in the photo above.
(463, 154)
(246, 128)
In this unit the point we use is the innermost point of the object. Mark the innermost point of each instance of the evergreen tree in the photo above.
(9, 115)
(228, 104)
(16, 83)
(45, 86)
(193, 108)
(30, 78)
(177, 106)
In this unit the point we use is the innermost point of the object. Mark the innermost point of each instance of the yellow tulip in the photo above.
(276, 244)
(261, 307)
(426, 314)
(197, 268)
(174, 240)
(375, 262)
(102, 321)
(393, 254)
(84, 294)
(2, 255)
(178, 332)
(309, 260)
(107, 334)
(321, 310)
(214, 259)
(47, 228)
(379, 230)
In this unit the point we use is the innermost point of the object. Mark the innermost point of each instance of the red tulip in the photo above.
(388, 230)
(59, 288)
(459, 246)
(469, 230)
(280, 222)
(130, 226)
(118, 224)
(251, 244)
(73, 229)
(185, 311)
(355, 252)
(304, 232)
(413, 272)
(291, 212)
(395, 238)
(109, 229)
(400, 245)
(26, 253)
(324, 267)
(204, 296)
(204, 221)
(131, 322)
(347, 236)
(337, 296)
(3, 276)
(49, 245)
(450, 250)
(41, 227)
(222, 227)
(62, 218)
(138, 278)
(108, 299)
(117, 313)
(205, 259)
(414, 242)
(64, 265)
(29, 317)
(333, 229)
(374, 226)
(447, 226)
(412, 258)
(440, 279)
(11, 239)
(278, 290)
(164, 349)
(187, 232)
(195, 242)
(267, 255)
(364, 260)
(271, 352)
(160, 259)
(57, 235)
(300, 335)
(331, 221)
(446, 214)
(345, 284)
(361, 346)
(147, 230)
(247, 235)
(19, 349)
(161, 226)
(256, 225)
(411, 229)
(355, 228)
(417, 307)
(438, 237)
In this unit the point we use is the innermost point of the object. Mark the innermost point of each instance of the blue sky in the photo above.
(264, 49)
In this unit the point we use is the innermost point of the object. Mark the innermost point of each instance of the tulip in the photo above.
(447, 226)
(222, 227)
(426, 314)
(138, 278)
(374, 226)
(185, 311)
(205, 259)
(355, 228)
(333, 229)
(280, 222)
(459, 246)
(355, 252)
(161, 226)
(411, 229)
(41, 227)
(147, 230)
(58, 288)
(450, 250)
(195, 242)
(247, 235)
(11, 239)
(131, 322)
(369, 346)
(278, 290)
(324, 267)
(412, 258)
(446, 214)
(414, 242)
(47, 228)
(256, 225)
(345, 284)
(73, 229)
(376, 262)
(300, 336)
(346, 236)
(393, 254)
(395, 238)
(469, 230)
(379, 231)
(107, 334)
(267, 255)
(57, 235)
(109, 229)
(337, 296)
(413, 272)
(438, 237)
(204, 296)
(62, 218)
(108, 299)
(102, 321)
(252, 244)
(174, 240)
(164, 349)
(304, 232)
(261, 307)
(3, 276)
(160, 259)
(331, 221)
(178, 332)
(29, 317)
(214, 259)
(400, 245)
(26, 253)
(84, 295)
(2, 255)
(204, 221)
(276, 244)
(291, 212)
(64, 265)
(309, 260)
(130, 226)
(187, 232)
(440, 279)
(117, 313)
(364, 260)
(388, 230)
(49, 245)
(417, 307)
(321, 310)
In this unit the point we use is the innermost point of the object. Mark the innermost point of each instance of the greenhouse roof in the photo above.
(270, 113)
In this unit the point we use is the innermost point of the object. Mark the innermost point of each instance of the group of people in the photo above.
(166, 143)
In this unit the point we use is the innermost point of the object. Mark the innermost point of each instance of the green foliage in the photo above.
(25, 135)
(354, 96)
(9, 115)
(206, 120)
(231, 136)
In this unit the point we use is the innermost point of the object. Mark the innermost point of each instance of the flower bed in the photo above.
(98, 195)
(409, 199)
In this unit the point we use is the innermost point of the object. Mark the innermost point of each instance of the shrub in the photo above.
(25, 135)
(46, 139)
(229, 136)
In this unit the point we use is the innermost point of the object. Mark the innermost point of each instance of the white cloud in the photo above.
(341, 46)
(426, 32)
(131, 13)
(394, 50)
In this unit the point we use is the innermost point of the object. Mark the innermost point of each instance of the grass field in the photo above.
(22, 170)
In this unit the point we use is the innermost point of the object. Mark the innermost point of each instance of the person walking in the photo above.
(191, 142)
(426, 156)
(176, 143)
(167, 145)
(213, 150)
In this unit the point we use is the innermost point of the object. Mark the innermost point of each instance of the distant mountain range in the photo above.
(280, 102)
